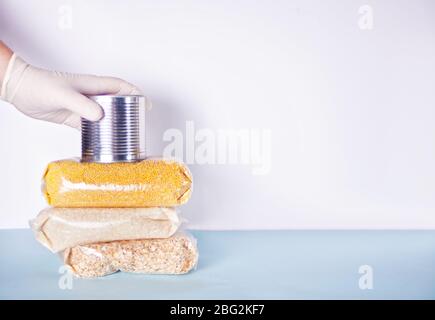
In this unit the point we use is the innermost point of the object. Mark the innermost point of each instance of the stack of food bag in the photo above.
(117, 216)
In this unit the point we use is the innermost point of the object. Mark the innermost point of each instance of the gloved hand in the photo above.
(57, 96)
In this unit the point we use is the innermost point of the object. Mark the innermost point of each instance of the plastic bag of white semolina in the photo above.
(175, 255)
(61, 228)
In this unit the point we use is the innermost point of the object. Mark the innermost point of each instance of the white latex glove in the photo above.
(57, 96)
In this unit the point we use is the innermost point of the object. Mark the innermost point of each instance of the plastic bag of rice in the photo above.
(61, 228)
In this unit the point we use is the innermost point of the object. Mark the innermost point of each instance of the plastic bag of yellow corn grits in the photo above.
(147, 183)
(175, 255)
(61, 228)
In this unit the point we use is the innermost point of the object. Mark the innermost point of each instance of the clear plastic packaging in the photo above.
(61, 228)
(175, 255)
(147, 183)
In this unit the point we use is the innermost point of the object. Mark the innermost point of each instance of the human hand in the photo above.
(58, 97)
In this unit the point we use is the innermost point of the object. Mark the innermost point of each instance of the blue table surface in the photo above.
(244, 265)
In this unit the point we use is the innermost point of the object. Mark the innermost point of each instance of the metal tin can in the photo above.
(120, 135)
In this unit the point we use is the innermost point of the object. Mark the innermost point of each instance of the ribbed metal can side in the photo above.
(119, 135)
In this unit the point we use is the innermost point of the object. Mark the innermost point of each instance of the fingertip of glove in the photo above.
(73, 121)
(135, 90)
(96, 113)
(126, 88)
(74, 126)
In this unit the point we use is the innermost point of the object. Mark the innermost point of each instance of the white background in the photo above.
(352, 111)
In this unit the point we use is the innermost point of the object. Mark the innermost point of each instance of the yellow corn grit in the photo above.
(148, 183)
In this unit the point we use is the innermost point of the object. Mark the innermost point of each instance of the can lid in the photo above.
(120, 135)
